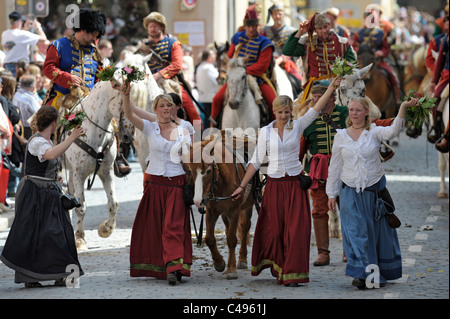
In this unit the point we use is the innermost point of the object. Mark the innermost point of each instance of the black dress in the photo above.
(41, 242)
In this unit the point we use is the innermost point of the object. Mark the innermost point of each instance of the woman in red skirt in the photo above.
(283, 231)
(161, 244)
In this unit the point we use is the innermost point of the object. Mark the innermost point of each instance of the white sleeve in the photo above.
(335, 168)
(391, 131)
(261, 149)
(38, 146)
(305, 120)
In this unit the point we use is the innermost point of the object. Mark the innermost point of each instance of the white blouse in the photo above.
(184, 124)
(356, 163)
(282, 155)
(38, 146)
(164, 155)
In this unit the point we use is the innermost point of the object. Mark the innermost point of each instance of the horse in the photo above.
(142, 93)
(216, 175)
(241, 109)
(415, 70)
(95, 154)
(221, 61)
(378, 87)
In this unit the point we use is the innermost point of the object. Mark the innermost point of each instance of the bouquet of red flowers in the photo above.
(72, 120)
(417, 115)
(132, 74)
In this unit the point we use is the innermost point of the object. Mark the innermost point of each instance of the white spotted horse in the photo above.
(94, 154)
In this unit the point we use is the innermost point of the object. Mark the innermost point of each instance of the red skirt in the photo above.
(283, 231)
(161, 237)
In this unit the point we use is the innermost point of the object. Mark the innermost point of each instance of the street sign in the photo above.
(41, 8)
(37, 8)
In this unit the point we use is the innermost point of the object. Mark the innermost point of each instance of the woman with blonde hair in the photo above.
(161, 244)
(356, 174)
(283, 231)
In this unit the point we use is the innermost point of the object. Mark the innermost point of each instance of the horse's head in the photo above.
(203, 172)
(222, 61)
(366, 55)
(352, 86)
(237, 82)
(125, 128)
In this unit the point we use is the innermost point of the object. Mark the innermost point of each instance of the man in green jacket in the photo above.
(319, 46)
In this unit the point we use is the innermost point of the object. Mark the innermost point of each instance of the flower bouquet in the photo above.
(132, 74)
(417, 115)
(107, 73)
(72, 120)
(342, 67)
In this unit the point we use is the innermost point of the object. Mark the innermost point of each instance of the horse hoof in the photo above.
(232, 275)
(219, 266)
(442, 195)
(80, 244)
(242, 265)
(104, 231)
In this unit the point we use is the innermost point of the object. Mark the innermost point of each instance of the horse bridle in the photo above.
(211, 196)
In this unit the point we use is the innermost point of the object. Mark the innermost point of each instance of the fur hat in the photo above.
(333, 11)
(320, 19)
(251, 18)
(156, 17)
(317, 20)
(91, 21)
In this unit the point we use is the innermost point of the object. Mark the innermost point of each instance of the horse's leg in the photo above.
(230, 230)
(243, 229)
(210, 239)
(334, 225)
(78, 182)
(442, 165)
(106, 228)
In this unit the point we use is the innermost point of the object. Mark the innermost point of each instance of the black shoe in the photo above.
(172, 278)
(359, 283)
(292, 284)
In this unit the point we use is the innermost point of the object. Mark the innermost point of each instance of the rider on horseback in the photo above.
(257, 50)
(375, 39)
(67, 78)
(170, 64)
(278, 33)
(318, 51)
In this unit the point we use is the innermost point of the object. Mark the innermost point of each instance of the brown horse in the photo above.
(221, 62)
(415, 70)
(216, 175)
(378, 87)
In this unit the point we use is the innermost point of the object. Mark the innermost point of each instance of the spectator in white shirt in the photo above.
(206, 80)
(17, 41)
(28, 102)
(283, 231)
(356, 173)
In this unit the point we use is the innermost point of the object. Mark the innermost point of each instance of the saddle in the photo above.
(68, 101)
